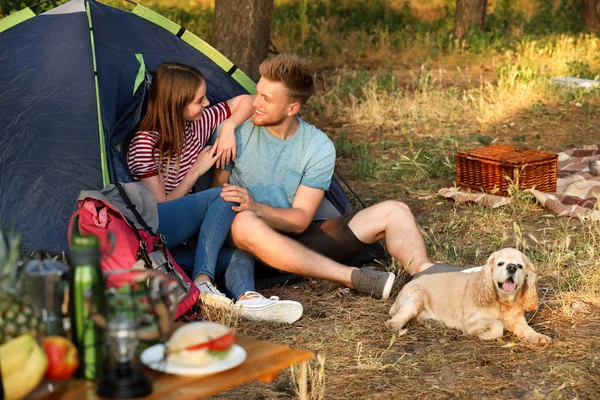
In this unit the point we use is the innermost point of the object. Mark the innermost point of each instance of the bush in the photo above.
(9, 6)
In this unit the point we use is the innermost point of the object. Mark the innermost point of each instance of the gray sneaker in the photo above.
(377, 284)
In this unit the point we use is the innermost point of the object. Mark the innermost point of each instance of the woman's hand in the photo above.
(226, 145)
(206, 159)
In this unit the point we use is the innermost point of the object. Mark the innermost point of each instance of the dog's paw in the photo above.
(538, 338)
(396, 325)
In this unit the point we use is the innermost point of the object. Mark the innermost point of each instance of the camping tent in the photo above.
(72, 85)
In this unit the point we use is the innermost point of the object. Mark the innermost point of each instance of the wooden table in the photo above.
(264, 362)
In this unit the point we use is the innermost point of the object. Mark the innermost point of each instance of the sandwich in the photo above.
(199, 343)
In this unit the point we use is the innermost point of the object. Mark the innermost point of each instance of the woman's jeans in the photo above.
(235, 268)
(208, 214)
(205, 213)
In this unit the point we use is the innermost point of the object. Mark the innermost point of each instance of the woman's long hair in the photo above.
(174, 86)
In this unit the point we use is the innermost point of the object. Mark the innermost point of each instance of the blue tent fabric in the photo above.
(338, 197)
(48, 137)
(49, 128)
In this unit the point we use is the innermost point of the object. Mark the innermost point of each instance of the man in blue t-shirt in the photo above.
(282, 168)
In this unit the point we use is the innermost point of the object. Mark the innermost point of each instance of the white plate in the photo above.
(152, 357)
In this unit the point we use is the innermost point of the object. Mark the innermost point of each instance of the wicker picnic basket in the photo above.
(492, 168)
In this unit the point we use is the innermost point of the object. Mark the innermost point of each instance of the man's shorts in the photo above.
(332, 238)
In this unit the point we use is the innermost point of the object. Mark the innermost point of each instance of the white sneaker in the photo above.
(259, 308)
(210, 295)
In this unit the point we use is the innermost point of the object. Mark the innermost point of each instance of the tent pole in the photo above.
(335, 171)
(103, 148)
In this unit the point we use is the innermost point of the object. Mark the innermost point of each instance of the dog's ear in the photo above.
(530, 296)
(485, 292)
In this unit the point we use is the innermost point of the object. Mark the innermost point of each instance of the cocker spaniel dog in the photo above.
(481, 303)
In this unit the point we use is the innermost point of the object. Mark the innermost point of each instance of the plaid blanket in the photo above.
(577, 190)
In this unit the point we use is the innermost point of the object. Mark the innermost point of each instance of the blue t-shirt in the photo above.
(272, 169)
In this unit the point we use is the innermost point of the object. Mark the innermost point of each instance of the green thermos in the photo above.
(87, 301)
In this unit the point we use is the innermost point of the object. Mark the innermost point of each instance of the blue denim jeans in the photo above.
(204, 213)
(235, 268)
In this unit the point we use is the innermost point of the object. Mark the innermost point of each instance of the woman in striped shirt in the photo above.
(170, 152)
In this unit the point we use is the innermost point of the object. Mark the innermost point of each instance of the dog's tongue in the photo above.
(509, 286)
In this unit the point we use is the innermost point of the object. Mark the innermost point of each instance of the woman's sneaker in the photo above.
(211, 296)
(259, 308)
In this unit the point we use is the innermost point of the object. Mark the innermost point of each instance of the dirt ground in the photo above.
(361, 362)
(363, 359)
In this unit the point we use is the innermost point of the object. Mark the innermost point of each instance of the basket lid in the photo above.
(509, 154)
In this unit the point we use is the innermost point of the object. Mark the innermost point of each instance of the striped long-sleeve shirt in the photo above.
(143, 155)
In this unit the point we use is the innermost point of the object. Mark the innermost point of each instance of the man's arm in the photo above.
(297, 218)
(294, 219)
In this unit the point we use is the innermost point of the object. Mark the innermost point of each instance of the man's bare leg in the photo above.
(252, 234)
(393, 221)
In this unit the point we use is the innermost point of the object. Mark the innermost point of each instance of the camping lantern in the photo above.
(140, 307)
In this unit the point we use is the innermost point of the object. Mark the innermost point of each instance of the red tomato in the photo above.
(219, 344)
(222, 343)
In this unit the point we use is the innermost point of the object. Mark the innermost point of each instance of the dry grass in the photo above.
(429, 99)
(398, 107)
(360, 358)
(316, 378)
(391, 118)
(363, 359)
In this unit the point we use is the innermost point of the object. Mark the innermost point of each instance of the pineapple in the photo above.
(16, 317)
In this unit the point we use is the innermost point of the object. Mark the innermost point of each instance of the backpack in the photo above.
(124, 217)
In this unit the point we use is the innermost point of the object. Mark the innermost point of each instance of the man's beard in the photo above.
(266, 121)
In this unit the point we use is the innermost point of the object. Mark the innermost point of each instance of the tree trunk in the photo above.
(241, 30)
(468, 12)
(591, 15)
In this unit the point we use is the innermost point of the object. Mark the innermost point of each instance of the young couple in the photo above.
(271, 174)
